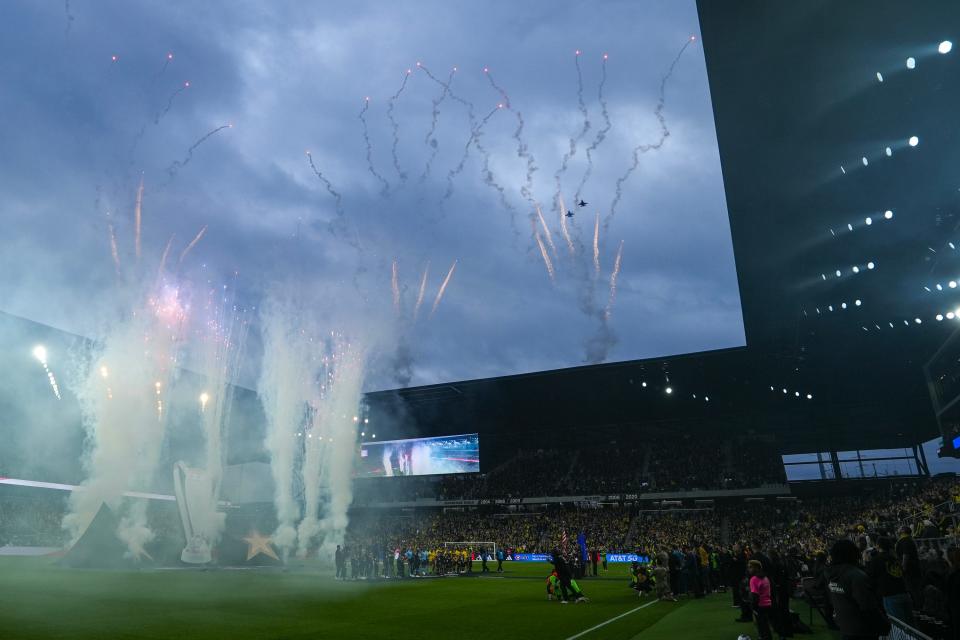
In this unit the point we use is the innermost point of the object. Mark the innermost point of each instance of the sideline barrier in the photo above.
(900, 630)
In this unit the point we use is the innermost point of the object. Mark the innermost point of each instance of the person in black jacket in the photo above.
(736, 570)
(887, 575)
(952, 591)
(857, 607)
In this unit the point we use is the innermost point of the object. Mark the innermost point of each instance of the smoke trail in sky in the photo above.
(523, 150)
(340, 222)
(70, 19)
(160, 114)
(430, 139)
(163, 257)
(176, 165)
(114, 252)
(546, 256)
(421, 292)
(563, 225)
(596, 246)
(601, 133)
(613, 281)
(396, 126)
(457, 170)
(284, 387)
(137, 219)
(193, 243)
(443, 288)
(546, 230)
(574, 140)
(644, 148)
(385, 186)
(395, 286)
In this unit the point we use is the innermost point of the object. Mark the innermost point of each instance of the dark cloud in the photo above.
(79, 129)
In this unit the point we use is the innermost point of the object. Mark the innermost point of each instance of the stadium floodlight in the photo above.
(952, 246)
(40, 353)
(669, 390)
(918, 320)
(838, 273)
(771, 388)
(796, 393)
(939, 317)
(957, 312)
(843, 305)
(857, 302)
(888, 151)
(849, 227)
(913, 141)
(366, 421)
(830, 307)
(945, 47)
(939, 287)
(856, 269)
(784, 391)
(911, 63)
(870, 265)
(706, 398)
(823, 275)
(865, 161)
(879, 76)
(951, 315)
(809, 396)
(952, 284)
(869, 221)
(362, 434)
(888, 214)
(643, 384)
(374, 436)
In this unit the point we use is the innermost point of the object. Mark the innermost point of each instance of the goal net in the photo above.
(474, 548)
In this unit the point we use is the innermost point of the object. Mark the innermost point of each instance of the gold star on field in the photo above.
(257, 544)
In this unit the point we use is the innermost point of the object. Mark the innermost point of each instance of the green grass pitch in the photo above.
(41, 600)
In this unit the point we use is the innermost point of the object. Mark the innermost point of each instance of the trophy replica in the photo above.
(198, 512)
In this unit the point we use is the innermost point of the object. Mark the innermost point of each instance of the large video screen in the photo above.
(420, 456)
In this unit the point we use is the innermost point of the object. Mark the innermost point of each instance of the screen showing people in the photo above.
(420, 456)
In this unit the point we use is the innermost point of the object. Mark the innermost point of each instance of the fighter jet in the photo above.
(582, 203)
(569, 214)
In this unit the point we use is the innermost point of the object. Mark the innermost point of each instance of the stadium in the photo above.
(601, 321)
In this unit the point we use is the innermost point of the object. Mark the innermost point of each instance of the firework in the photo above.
(114, 252)
(546, 230)
(163, 258)
(596, 246)
(395, 285)
(366, 138)
(546, 256)
(443, 288)
(423, 290)
(563, 225)
(613, 281)
(192, 244)
(396, 125)
(601, 133)
(176, 165)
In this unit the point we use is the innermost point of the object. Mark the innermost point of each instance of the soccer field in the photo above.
(41, 600)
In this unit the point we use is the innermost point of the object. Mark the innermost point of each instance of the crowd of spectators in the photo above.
(33, 521)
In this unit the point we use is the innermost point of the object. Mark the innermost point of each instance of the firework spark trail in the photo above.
(137, 219)
(443, 288)
(396, 126)
(420, 294)
(596, 246)
(160, 114)
(192, 244)
(341, 223)
(613, 282)
(563, 225)
(430, 139)
(163, 258)
(601, 133)
(114, 252)
(366, 138)
(395, 286)
(40, 353)
(474, 133)
(546, 256)
(70, 19)
(574, 140)
(644, 148)
(546, 230)
(176, 165)
(523, 149)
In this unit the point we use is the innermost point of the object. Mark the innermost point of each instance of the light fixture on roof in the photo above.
(952, 284)
(809, 396)
(888, 151)
(913, 141)
(857, 302)
(939, 317)
(869, 221)
(945, 47)
(879, 76)
(917, 320)
(951, 315)
(888, 214)
(796, 393)
(838, 273)
(830, 307)
(939, 287)
(668, 390)
(864, 160)
(784, 391)
(870, 265)
(911, 63)
(849, 227)
(843, 305)
(856, 269)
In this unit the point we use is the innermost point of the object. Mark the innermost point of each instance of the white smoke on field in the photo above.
(122, 384)
(330, 447)
(285, 387)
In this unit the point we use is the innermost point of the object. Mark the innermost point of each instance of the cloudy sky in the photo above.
(91, 102)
